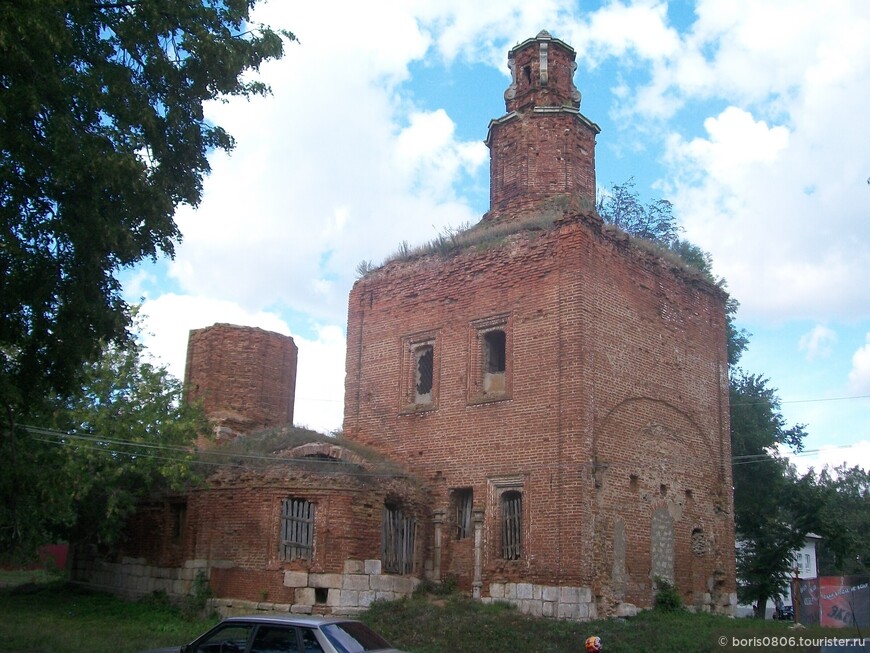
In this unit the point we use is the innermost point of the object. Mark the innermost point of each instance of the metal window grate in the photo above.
(463, 502)
(512, 521)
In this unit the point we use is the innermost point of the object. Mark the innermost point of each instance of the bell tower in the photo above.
(542, 151)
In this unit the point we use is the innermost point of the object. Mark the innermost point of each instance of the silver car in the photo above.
(279, 634)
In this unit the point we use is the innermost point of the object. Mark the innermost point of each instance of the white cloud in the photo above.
(320, 380)
(776, 188)
(859, 376)
(482, 31)
(736, 142)
(818, 342)
(430, 158)
(617, 29)
(857, 453)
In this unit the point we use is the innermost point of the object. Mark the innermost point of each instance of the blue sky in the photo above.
(749, 115)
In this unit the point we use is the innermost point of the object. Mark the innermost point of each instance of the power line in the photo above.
(232, 458)
(200, 457)
(797, 401)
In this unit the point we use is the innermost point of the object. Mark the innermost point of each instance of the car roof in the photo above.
(288, 620)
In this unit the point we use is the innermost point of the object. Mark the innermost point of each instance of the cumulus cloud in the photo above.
(638, 28)
(775, 189)
(832, 456)
(859, 376)
(817, 343)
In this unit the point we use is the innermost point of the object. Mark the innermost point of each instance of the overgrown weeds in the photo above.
(667, 598)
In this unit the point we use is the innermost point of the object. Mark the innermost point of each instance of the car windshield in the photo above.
(353, 637)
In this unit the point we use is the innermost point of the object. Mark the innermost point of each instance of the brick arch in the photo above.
(328, 450)
(648, 456)
(666, 412)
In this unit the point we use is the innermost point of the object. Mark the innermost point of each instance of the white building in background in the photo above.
(805, 560)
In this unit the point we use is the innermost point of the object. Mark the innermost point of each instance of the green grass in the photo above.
(56, 617)
(15, 577)
(460, 625)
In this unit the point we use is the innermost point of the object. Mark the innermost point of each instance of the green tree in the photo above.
(102, 136)
(83, 461)
(621, 207)
(841, 516)
(768, 527)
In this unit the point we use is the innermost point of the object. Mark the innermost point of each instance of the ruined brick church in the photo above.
(538, 409)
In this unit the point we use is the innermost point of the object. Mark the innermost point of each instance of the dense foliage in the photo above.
(621, 207)
(75, 472)
(838, 509)
(768, 529)
(102, 136)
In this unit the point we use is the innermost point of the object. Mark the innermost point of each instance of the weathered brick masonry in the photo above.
(245, 377)
(229, 533)
(607, 420)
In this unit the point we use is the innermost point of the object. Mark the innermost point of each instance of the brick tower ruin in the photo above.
(542, 151)
(245, 377)
(562, 391)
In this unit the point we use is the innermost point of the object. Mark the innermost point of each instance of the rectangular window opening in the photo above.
(462, 504)
(179, 517)
(398, 532)
(425, 367)
(297, 529)
(512, 524)
(494, 351)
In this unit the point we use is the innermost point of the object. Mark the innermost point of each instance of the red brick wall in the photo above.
(233, 526)
(617, 369)
(244, 376)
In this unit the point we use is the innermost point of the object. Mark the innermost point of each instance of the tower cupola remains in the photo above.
(542, 151)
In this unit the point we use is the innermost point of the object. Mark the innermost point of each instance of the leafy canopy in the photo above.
(102, 136)
(839, 511)
(767, 523)
(77, 469)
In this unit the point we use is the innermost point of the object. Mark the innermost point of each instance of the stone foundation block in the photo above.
(354, 566)
(373, 567)
(329, 581)
(295, 579)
